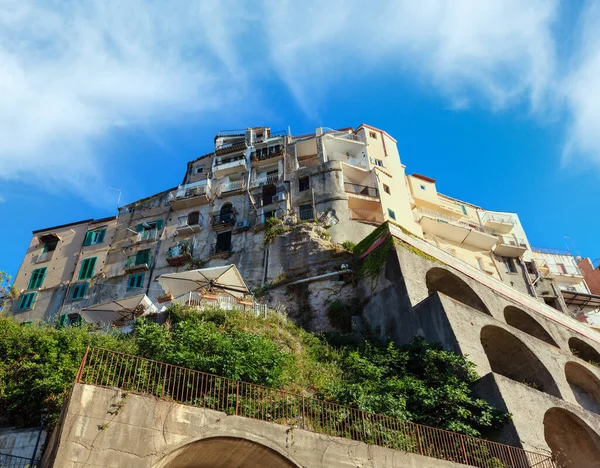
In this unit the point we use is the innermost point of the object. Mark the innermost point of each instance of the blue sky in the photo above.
(498, 101)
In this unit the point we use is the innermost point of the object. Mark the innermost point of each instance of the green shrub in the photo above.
(349, 245)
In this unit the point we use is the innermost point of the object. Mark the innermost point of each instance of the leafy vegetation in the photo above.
(6, 290)
(419, 382)
(274, 227)
(349, 245)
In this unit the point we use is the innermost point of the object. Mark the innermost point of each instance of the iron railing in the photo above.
(499, 218)
(13, 461)
(511, 240)
(361, 190)
(111, 369)
(269, 152)
(200, 301)
(306, 214)
(230, 160)
(265, 180)
(552, 251)
(231, 186)
(195, 189)
(224, 219)
(43, 257)
(147, 235)
(181, 249)
(186, 221)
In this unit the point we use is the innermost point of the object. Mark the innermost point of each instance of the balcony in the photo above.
(306, 214)
(190, 195)
(502, 224)
(224, 221)
(564, 273)
(188, 224)
(454, 229)
(361, 190)
(366, 216)
(180, 254)
(147, 235)
(43, 257)
(510, 246)
(264, 180)
(266, 154)
(138, 263)
(227, 166)
(231, 187)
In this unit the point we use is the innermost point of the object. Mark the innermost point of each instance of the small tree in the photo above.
(6, 290)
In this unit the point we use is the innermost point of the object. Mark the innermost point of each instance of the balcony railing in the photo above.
(267, 153)
(361, 190)
(147, 235)
(306, 214)
(264, 180)
(110, 369)
(232, 186)
(202, 187)
(43, 257)
(552, 251)
(498, 218)
(564, 270)
(222, 163)
(180, 250)
(224, 219)
(366, 216)
(185, 221)
(137, 262)
(448, 219)
(510, 240)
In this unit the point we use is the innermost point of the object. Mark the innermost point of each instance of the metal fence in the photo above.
(189, 387)
(200, 301)
(12, 461)
(361, 190)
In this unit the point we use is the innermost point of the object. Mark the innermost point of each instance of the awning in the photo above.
(226, 279)
(120, 310)
(580, 299)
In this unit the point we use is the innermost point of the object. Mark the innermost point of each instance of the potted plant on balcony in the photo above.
(166, 297)
(246, 301)
(208, 295)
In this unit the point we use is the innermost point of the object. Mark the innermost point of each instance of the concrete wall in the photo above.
(147, 432)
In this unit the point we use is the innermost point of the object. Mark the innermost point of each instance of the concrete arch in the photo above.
(573, 443)
(446, 282)
(225, 452)
(584, 351)
(585, 386)
(521, 320)
(508, 356)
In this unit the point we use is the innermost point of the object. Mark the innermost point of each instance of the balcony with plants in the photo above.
(180, 254)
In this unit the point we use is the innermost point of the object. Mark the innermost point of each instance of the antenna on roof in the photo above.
(118, 198)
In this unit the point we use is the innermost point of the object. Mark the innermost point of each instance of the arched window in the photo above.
(441, 280)
(573, 443)
(521, 320)
(508, 356)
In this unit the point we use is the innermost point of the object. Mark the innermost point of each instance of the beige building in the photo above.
(349, 181)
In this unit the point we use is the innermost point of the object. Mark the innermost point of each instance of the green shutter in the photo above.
(63, 321)
(139, 228)
(143, 256)
(88, 238)
(100, 238)
(159, 224)
(87, 268)
(37, 278)
(26, 301)
(135, 281)
(79, 291)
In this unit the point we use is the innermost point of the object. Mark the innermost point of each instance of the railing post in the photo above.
(81, 366)
(303, 424)
(419, 438)
(237, 396)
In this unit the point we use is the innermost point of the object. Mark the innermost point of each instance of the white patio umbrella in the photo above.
(226, 279)
(119, 310)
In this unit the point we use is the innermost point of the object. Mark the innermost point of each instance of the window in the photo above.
(26, 301)
(94, 237)
(135, 281)
(142, 257)
(149, 226)
(303, 184)
(373, 135)
(193, 218)
(223, 243)
(379, 162)
(423, 187)
(87, 268)
(561, 268)
(509, 263)
(79, 291)
(68, 320)
(306, 212)
(530, 268)
(386, 189)
(37, 278)
(198, 170)
(50, 246)
(391, 214)
(464, 210)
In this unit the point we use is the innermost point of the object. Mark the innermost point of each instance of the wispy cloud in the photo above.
(71, 73)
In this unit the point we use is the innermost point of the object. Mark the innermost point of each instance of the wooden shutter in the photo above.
(139, 228)
(100, 237)
(88, 238)
(159, 224)
(143, 256)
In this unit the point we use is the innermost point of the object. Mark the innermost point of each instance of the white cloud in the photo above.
(71, 72)
(582, 93)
